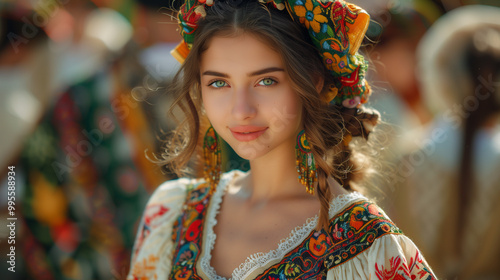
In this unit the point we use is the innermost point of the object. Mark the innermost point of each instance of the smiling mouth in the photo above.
(247, 133)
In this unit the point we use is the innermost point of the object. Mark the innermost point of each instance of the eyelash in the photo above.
(274, 82)
(212, 83)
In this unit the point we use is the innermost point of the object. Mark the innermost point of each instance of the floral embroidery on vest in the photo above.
(351, 232)
(304, 262)
(355, 229)
(188, 233)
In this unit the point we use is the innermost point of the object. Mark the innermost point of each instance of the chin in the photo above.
(249, 150)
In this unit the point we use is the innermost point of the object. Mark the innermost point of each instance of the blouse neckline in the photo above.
(260, 259)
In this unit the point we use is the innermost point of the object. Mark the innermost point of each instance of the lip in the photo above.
(246, 133)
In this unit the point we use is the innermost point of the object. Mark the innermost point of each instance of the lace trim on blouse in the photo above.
(259, 260)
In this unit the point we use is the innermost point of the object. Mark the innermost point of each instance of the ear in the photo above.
(320, 83)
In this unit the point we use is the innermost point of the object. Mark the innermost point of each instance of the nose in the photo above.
(244, 106)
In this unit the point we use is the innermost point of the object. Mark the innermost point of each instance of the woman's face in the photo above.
(248, 97)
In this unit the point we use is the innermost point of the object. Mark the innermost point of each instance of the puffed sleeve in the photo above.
(392, 256)
(153, 247)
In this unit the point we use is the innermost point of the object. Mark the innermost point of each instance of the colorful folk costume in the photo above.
(176, 236)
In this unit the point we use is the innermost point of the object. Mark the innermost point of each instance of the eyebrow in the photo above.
(266, 70)
(255, 73)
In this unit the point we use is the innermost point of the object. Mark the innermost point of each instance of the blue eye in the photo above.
(267, 82)
(218, 84)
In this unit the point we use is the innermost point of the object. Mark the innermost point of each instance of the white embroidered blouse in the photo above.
(176, 237)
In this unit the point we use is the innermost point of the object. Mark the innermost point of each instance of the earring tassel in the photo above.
(212, 156)
(306, 166)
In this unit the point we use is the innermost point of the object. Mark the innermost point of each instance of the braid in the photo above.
(334, 157)
(324, 196)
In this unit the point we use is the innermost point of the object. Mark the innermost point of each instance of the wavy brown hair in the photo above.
(325, 125)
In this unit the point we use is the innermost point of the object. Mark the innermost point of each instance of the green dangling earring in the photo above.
(212, 156)
(306, 166)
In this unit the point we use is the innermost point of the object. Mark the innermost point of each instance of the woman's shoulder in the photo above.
(355, 223)
(169, 190)
(172, 190)
(366, 243)
(356, 212)
(167, 200)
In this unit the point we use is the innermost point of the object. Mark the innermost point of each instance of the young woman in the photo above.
(282, 83)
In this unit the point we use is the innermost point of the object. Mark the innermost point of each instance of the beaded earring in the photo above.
(306, 166)
(212, 156)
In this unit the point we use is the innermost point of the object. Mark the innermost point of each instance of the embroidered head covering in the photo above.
(336, 28)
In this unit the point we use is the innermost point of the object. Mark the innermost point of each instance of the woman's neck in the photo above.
(274, 176)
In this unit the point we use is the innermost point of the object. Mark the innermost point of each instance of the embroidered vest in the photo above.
(352, 231)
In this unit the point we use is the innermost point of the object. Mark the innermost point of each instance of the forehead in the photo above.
(241, 51)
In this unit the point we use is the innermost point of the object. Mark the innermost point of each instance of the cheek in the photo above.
(215, 111)
(296, 113)
(210, 105)
(285, 114)
(293, 106)
(296, 106)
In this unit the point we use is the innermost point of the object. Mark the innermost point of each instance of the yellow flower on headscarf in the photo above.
(310, 15)
(336, 63)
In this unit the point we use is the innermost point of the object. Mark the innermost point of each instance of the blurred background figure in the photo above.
(450, 183)
(26, 75)
(396, 30)
(26, 88)
(82, 176)
(80, 185)
(142, 75)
